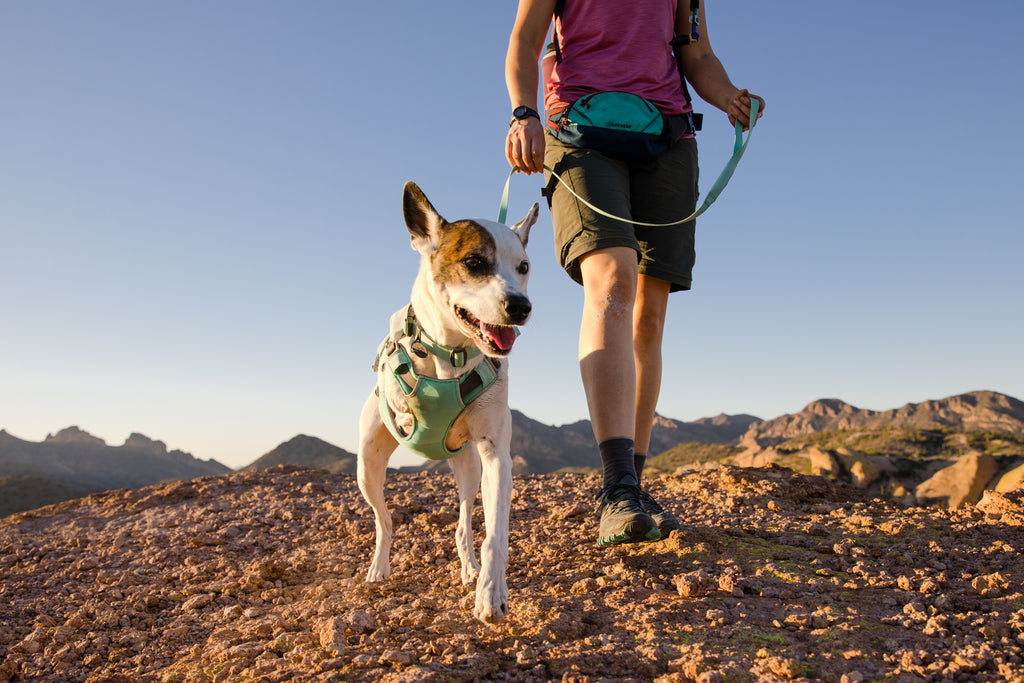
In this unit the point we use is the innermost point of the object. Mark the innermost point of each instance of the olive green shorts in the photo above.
(659, 191)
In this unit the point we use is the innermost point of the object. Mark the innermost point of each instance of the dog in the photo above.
(467, 301)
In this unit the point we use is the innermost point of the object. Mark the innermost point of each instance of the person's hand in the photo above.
(524, 146)
(739, 108)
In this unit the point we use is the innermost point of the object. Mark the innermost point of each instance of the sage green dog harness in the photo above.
(435, 403)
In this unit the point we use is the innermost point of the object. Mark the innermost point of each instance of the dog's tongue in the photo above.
(503, 336)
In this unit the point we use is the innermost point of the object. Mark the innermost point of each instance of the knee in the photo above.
(610, 277)
(648, 331)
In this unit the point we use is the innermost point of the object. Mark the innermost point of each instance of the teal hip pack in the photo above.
(620, 124)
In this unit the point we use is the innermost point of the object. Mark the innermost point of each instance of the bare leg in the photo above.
(607, 365)
(648, 333)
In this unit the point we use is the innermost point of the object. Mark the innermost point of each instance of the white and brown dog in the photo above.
(442, 383)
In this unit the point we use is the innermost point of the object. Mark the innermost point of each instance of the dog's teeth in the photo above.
(502, 336)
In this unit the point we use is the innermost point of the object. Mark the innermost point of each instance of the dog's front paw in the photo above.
(378, 571)
(491, 601)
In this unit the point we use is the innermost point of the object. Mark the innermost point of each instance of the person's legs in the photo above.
(607, 257)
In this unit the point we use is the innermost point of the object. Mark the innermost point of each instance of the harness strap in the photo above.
(739, 147)
(457, 356)
(435, 403)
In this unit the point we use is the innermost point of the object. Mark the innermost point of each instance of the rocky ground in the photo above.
(257, 576)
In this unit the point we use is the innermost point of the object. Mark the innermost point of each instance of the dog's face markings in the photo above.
(480, 274)
(466, 252)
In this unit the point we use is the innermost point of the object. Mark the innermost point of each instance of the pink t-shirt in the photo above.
(616, 45)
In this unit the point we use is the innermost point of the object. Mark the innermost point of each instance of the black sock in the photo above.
(638, 464)
(617, 458)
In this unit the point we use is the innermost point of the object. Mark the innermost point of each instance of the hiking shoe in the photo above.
(666, 521)
(623, 519)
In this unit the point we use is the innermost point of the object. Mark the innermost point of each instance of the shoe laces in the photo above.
(652, 506)
(621, 496)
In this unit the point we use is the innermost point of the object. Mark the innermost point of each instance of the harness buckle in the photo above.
(410, 327)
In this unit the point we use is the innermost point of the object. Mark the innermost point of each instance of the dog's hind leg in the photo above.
(375, 448)
(466, 467)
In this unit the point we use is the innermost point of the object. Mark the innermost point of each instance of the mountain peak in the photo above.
(829, 407)
(308, 451)
(74, 435)
(144, 443)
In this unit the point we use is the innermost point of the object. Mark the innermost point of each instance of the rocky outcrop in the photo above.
(1011, 480)
(822, 463)
(933, 482)
(863, 470)
(961, 483)
(944, 452)
(1003, 507)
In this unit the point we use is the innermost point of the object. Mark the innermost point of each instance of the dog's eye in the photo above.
(524, 268)
(475, 264)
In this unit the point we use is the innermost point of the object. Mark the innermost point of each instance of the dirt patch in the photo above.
(257, 576)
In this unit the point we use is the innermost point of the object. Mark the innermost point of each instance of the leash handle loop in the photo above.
(739, 148)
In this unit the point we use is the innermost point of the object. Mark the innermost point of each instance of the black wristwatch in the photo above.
(522, 113)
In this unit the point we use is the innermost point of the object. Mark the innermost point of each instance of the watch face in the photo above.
(522, 112)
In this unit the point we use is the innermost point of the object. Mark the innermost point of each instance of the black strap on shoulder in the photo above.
(553, 46)
(682, 40)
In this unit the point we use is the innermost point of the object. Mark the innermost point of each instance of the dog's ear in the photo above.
(522, 228)
(421, 218)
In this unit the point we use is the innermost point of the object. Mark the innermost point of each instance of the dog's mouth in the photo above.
(496, 338)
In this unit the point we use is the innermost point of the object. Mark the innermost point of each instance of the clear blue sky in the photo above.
(201, 235)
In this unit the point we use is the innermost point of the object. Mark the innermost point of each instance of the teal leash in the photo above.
(739, 147)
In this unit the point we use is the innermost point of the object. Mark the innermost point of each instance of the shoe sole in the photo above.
(666, 526)
(627, 536)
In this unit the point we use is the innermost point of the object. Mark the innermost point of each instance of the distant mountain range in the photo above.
(977, 411)
(73, 463)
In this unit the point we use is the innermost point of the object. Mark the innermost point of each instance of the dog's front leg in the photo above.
(466, 468)
(375, 448)
(491, 588)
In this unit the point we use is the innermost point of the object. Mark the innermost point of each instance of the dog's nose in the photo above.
(518, 309)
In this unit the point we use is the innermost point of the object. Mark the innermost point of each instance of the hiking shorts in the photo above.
(659, 191)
